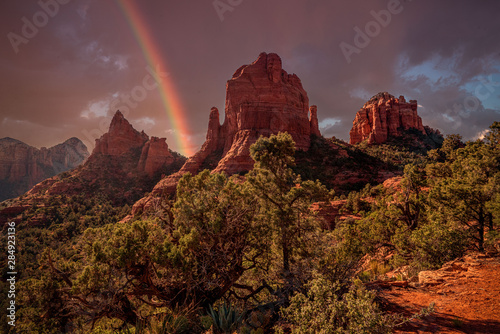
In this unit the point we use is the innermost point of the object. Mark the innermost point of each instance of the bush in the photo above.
(430, 246)
(492, 241)
(323, 309)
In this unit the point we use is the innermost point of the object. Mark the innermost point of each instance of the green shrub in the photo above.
(492, 241)
(226, 319)
(323, 310)
(430, 246)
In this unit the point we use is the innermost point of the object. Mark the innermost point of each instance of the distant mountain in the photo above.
(22, 166)
(124, 165)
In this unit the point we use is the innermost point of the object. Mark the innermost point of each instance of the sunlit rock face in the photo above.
(383, 116)
(261, 99)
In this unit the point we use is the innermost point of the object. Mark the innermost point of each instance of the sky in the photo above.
(66, 66)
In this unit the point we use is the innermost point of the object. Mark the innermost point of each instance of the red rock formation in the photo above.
(313, 120)
(214, 142)
(261, 99)
(155, 154)
(22, 166)
(124, 144)
(120, 139)
(383, 116)
(122, 168)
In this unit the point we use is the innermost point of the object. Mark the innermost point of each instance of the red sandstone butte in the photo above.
(383, 116)
(261, 99)
(122, 139)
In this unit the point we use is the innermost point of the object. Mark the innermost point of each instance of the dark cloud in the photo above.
(86, 56)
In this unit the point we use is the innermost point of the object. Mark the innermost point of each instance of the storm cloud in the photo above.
(66, 78)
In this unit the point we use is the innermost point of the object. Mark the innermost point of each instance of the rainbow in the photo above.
(170, 98)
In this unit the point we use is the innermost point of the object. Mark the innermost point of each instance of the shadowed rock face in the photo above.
(22, 166)
(383, 116)
(155, 155)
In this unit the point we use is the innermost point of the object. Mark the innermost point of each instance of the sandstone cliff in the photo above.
(384, 116)
(22, 166)
(122, 140)
(261, 99)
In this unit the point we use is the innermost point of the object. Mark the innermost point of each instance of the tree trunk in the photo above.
(286, 253)
(481, 222)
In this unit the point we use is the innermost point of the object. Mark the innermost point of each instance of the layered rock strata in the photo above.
(384, 116)
(22, 166)
(261, 99)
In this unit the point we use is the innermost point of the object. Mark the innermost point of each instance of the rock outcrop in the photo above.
(155, 155)
(22, 166)
(123, 166)
(384, 116)
(120, 139)
(261, 99)
(313, 120)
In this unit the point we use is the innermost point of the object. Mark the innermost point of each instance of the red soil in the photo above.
(466, 294)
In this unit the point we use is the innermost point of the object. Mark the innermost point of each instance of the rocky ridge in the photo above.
(22, 166)
(122, 139)
(123, 166)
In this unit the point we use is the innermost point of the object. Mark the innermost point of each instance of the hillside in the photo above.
(268, 228)
(22, 166)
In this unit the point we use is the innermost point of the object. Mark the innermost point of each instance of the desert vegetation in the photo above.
(246, 254)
